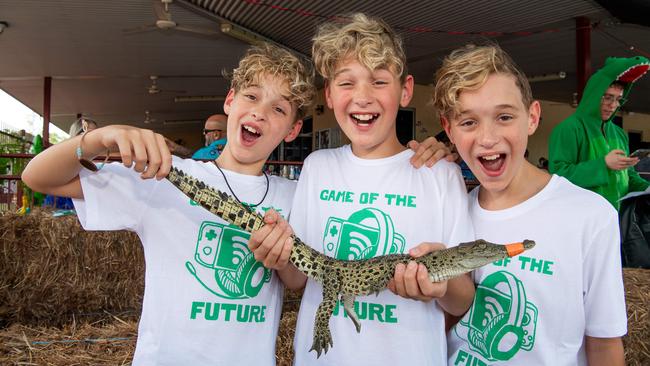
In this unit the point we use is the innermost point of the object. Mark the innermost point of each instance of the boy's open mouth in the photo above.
(250, 133)
(364, 119)
(492, 164)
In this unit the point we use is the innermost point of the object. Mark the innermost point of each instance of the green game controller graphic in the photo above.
(225, 261)
(365, 234)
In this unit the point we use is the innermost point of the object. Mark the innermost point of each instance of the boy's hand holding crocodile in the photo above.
(412, 281)
(272, 243)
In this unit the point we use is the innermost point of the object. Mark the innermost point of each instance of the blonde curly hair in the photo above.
(268, 60)
(371, 41)
(468, 68)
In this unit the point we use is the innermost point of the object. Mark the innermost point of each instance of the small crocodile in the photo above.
(345, 279)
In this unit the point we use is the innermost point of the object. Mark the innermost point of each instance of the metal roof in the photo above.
(104, 72)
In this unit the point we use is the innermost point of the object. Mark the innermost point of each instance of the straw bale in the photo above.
(51, 269)
(104, 343)
(284, 341)
(637, 297)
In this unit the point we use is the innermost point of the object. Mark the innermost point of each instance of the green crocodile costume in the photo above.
(343, 280)
(578, 145)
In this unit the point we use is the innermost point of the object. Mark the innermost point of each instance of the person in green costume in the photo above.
(588, 148)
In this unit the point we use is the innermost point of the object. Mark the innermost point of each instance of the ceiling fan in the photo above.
(164, 22)
(154, 89)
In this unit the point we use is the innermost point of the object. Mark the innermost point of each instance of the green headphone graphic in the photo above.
(225, 261)
(501, 321)
(366, 233)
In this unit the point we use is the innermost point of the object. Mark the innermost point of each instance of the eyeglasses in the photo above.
(609, 99)
(206, 131)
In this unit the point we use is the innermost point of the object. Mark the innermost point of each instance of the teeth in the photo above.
(364, 117)
(250, 129)
(490, 157)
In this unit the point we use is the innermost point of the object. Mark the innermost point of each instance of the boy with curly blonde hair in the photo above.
(366, 199)
(562, 303)
(207, 300)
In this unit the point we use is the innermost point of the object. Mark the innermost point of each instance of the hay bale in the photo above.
(637, 298)
(284, 341)
(106, 343)
(51, 270)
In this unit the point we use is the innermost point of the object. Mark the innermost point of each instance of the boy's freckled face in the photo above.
(365, 105)
(491, 133)
(259, 118)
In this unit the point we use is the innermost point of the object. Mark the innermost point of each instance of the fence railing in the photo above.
(11, 187)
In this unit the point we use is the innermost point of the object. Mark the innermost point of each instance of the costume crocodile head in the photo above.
(627, 70)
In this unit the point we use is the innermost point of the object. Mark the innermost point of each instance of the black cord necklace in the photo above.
(233, 192)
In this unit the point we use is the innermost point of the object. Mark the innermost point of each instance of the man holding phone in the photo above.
(588, 148)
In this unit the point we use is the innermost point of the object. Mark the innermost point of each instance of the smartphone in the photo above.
(641, 153)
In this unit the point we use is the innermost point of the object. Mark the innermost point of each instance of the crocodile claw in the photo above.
(322, 343)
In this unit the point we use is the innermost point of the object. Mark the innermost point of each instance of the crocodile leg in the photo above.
(322, 334)
(348, 305)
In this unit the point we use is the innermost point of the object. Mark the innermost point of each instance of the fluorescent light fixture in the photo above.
(242, 34)
(198, 98)
(547, 77)
(173, 122)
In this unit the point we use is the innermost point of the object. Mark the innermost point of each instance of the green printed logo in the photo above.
(383, 313)
(365, 234)
(501, 322)
(225, 265)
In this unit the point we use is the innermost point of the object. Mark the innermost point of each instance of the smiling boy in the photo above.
(207, 300)
(385, 205)
(563, 302)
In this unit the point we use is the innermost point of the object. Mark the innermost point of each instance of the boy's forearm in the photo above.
(459, 296)
(292, 278)
(55, 170)
(604, 351)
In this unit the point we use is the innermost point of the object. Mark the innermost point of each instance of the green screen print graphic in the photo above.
(226, 267)
(365, 234)
(501, 322)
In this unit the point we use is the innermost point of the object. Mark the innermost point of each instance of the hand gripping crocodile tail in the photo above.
(344, 280)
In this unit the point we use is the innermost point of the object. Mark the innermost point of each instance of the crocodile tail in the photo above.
(233, 212)
(216, 201)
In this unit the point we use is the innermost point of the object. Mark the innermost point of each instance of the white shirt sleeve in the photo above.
(458, 226)
(300, 206)
(114, 198)
(604, 297)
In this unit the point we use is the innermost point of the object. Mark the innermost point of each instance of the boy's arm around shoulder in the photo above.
(56, 170)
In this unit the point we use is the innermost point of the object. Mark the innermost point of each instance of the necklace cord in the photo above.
(233, 192)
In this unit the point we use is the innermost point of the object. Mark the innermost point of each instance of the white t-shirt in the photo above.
(352, 208)
(206, 300)
(534, 309)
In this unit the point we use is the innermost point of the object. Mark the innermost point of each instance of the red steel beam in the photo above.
(583, 53)
(47, 100)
